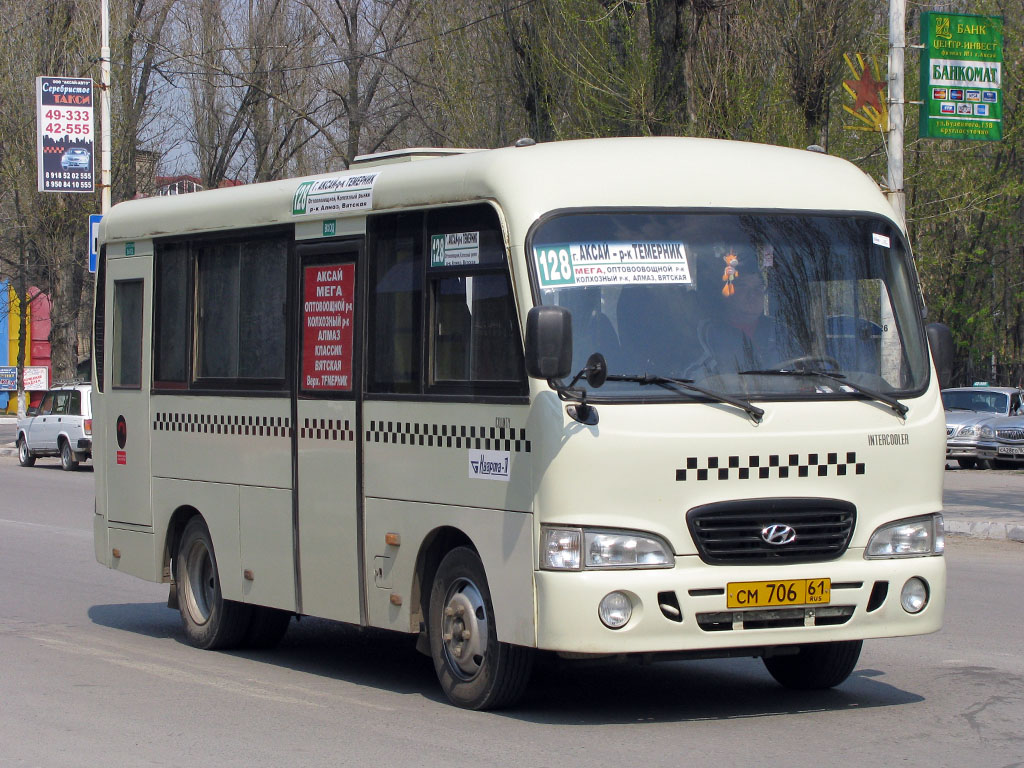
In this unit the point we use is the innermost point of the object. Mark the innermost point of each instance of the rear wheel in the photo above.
(476, 671)
(210, 621)
(68, 460)
(816, 666)
(25, 457)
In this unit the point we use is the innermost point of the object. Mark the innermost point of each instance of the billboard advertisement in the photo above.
(64, 107)
(961, 77)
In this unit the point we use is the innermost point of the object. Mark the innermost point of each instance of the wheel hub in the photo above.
(464, 629)
(200, 588)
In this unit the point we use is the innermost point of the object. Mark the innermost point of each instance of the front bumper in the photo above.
(964, 449)
(567, 606)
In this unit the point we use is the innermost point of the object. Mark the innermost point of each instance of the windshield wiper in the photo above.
(892, 402)
(685, 386)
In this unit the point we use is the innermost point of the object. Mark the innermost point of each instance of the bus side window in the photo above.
(240, 329)
(475, 345)
(171, 333)
(396, 275)
(126, 362)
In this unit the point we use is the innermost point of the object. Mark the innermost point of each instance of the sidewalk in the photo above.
(983, 504)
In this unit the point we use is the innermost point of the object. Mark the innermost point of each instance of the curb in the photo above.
(985, 529)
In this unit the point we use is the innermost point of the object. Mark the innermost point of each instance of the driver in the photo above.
(738, 334)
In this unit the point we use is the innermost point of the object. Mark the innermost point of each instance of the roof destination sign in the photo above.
(961, 77)
(337, 194)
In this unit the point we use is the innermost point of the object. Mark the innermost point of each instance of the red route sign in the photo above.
(328, 306)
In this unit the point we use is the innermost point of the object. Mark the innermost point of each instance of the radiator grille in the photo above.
(730, 532)
(1010, 434)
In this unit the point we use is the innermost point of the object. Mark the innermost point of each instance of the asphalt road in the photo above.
(94, 671)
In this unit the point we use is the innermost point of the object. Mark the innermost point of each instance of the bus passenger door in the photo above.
(124, 436)
(327, 505)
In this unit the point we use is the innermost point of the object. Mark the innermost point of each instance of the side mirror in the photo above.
(32, 411)
(940, 339)
(549, 343)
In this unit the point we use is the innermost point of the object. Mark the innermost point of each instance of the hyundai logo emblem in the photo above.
(778, 534)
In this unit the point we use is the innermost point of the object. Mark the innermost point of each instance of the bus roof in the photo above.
(529, 181)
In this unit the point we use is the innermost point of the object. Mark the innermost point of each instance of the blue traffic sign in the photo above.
(94, 236)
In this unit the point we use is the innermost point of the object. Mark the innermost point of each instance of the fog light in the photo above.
(615, 610)
(914, 596)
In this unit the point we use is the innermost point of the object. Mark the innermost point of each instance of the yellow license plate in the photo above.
(762, 594)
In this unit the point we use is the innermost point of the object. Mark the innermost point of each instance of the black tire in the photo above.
(267, 627)
(967, 463)
(475, 670)
(68, 459)
(25, 457)
(816, 666)
(986, 463)
(210, 621)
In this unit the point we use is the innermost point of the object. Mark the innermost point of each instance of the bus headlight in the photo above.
(915, 537)
(570, 549)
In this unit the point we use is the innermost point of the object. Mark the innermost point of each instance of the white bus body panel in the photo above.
(504, 541)
(633, 470)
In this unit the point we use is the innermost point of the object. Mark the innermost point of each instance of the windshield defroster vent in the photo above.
(756, 531)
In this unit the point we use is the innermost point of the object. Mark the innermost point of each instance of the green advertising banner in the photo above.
(961, 76)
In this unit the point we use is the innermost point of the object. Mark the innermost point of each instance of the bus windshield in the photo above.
(742, 303)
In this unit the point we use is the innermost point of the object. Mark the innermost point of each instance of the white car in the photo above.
(60, 426)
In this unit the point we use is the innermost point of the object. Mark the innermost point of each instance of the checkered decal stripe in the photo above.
(214, 424)
(448, 436)
(327, 429)
(776, 465)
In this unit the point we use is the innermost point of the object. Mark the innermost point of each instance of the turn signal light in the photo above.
(87, 426)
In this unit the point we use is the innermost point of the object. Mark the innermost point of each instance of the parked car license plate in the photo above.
(761, 594)
(1013, 450)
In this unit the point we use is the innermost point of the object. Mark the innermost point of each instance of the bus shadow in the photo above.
(561, 692)
(367, 657)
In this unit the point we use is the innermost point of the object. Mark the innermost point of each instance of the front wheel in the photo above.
(210, 621)
(476, 671)
(25, 457)
(68, 460)
(967, 463)
(816, 666)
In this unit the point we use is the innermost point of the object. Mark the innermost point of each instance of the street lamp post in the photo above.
(105, 107)
(897, 50)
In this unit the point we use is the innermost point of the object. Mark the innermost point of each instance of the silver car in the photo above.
(975, 416)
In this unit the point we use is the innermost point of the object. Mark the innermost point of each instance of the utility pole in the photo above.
(897, 51)
(105, 107)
